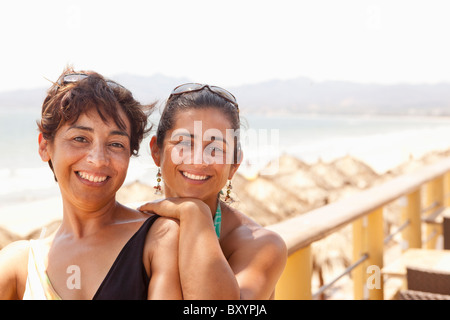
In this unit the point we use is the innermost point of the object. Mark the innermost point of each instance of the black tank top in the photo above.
(127, 278)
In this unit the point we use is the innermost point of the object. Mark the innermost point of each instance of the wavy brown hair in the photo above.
(65, 102)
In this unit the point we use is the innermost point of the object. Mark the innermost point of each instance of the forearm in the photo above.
(204, 270)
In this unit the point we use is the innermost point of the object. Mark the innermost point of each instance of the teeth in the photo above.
(194, 177)
(91, 178)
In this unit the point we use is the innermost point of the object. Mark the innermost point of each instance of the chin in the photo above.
(200, 196)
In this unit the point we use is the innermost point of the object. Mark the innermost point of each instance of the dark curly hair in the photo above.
(65, 102)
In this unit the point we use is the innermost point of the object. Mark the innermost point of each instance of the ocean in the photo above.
(381, 142)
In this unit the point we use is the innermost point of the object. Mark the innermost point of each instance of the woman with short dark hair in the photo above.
(89, 129)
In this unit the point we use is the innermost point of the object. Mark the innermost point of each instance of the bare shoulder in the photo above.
(270, 241)
(164, 231)
(15, 252)
(164, 226)
(14, 258)
(161, 244)
(159, 229)
(13, 269)
(246, 234)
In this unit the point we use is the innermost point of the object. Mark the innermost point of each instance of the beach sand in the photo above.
(296, 188)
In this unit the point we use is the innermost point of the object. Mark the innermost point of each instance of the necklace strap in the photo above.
(218, 220)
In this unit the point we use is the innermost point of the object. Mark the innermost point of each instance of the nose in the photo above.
(98, 156)
(198, 153)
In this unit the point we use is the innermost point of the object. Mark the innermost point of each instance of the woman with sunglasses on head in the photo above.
(223, 254)
(89, 129)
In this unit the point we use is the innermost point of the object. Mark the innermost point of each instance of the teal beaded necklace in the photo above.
(218, 220)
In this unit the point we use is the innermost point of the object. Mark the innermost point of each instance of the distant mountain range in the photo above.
(300, 95)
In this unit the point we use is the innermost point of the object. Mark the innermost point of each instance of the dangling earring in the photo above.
(158, 180)
(228, 198)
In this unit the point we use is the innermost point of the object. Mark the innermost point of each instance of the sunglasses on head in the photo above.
(75, 77)
(192, 87)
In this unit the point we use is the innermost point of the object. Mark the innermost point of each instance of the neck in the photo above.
(212, 204)
(83, 221)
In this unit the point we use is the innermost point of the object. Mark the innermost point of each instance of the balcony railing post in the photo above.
(368, 237)
(411, 211)
(447, 189)
(434, 195)
(375, 245)
(358, 252)
(295, 282)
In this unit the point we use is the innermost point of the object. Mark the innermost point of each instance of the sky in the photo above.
(226, 43)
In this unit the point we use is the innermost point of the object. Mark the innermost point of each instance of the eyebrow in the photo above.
(112, 133)
(183, 135)
(213, 138)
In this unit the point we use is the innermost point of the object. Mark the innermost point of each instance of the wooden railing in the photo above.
(421, 192)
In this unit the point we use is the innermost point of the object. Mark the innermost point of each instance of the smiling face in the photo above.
(196, 158)
(90, 159)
